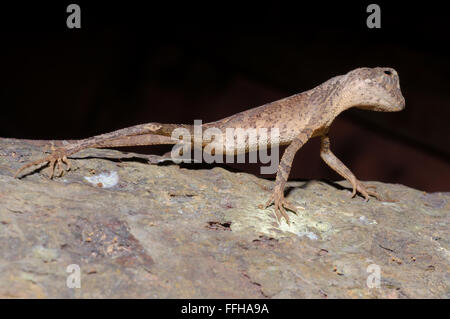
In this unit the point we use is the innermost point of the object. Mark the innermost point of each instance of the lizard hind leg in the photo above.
(59, 165)
(57, 158)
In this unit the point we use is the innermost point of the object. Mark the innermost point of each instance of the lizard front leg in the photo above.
(283, 171)
(341, 169)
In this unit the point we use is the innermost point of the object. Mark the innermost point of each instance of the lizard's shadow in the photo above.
(192, 166)
(201, 166)
(306, 183)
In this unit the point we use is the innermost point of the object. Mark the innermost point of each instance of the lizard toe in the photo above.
(67, 162)
(280, 213)
(365, 190)
(269, 202)
(52, 168)
(56, 162)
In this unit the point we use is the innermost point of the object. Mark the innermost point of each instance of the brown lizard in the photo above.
(298, 118)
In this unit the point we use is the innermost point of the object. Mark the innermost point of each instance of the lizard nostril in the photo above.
(387, 72)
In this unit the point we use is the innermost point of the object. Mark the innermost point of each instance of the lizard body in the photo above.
(298, 118)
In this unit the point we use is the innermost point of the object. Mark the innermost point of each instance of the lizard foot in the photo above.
(365, 190)
(281, 204)
(56, 159)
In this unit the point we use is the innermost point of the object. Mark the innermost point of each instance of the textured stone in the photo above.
(165, 231)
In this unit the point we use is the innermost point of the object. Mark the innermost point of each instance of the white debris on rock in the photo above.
(104, 180)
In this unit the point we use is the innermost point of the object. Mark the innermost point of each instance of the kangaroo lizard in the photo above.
(298, 117)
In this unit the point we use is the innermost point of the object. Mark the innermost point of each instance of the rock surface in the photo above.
(165, 231)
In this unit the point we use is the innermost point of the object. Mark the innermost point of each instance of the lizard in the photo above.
(298, 117)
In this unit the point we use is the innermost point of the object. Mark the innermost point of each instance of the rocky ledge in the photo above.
(135, 230)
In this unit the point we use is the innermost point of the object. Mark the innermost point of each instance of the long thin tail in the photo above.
(141, 129)
(39, 142)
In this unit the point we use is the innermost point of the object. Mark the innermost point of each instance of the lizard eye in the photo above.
(387, 72)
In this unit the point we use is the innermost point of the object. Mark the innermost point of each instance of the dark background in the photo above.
(134, 63)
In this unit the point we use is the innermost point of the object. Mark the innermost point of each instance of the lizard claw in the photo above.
(281, 204)
(56, 159)
(364, 190)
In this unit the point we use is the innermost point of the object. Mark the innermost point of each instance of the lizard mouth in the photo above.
(393, 105)
(399, 106)
(384, 106)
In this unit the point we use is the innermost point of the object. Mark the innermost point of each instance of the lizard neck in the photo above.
(347, 98)
(327, 101)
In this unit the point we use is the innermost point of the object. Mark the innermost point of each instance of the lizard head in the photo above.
(375, 89)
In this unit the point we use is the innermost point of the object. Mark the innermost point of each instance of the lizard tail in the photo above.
(38, 142)
(167, 129)
(152, 128)
(142, 134)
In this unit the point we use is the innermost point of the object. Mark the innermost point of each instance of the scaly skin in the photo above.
(298, 118)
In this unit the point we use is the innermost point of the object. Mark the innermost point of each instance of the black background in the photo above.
(171, 308)
(137, 62)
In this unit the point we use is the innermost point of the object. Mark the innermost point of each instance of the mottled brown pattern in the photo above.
(298, 118)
